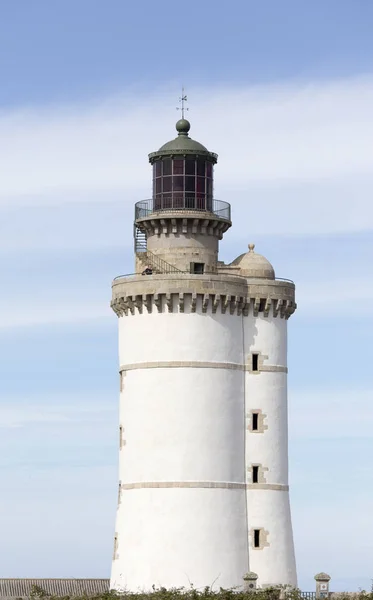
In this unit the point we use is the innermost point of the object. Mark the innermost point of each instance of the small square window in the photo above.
(256, 538)
(255, 423)
(197, 268)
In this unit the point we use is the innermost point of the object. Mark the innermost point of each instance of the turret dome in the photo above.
(254, 265)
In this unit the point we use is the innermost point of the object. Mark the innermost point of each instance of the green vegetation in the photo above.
(205, 594)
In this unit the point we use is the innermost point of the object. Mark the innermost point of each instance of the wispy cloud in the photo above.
(286, 152)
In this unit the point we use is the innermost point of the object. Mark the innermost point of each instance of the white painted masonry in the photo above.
(182, 425)
(189, 424)
(268, 509)
(188, 507)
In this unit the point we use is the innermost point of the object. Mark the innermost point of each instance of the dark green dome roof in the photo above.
(183, 144)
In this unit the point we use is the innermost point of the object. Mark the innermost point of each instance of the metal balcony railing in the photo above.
(173, 202)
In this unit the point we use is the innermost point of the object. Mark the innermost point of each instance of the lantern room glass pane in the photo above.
(190, 184)
(167, 166)
(158, 168)
(158, 185)
(178, 166)
(190, 166)
(209, 187)
(201, 167)
(178, 184)
(167, 184)
(208, 169)
(200, 185)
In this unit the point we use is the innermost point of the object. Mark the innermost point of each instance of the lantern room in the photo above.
(183, 173)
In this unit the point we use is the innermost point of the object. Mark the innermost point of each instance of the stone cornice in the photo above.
(203, 293)
(184, 222)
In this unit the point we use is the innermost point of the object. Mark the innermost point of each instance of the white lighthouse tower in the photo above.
(203, 493)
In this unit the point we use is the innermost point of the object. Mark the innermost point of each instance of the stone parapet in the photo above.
(183, 222)
(210, 292)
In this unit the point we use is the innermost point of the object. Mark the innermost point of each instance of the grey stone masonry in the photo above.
(184, 237)
(187, 222)
(210, 292)
(250, 581)
(322, 585)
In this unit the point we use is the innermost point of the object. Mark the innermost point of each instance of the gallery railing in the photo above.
(173, 202)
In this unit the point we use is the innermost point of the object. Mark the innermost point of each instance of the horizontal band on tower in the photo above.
(224, 485)
(196, 364)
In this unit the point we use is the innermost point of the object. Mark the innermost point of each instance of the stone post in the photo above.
(322, 585)
(249, 581)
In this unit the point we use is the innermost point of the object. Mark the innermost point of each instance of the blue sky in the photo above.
(283, 92)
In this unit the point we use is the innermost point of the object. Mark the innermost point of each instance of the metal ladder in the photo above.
(148, 258)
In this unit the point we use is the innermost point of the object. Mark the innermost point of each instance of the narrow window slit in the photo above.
(256, 538)
(255, 474)
(255, 423)
(255, 361)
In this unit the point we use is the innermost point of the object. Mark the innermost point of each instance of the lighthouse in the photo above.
(203, 494)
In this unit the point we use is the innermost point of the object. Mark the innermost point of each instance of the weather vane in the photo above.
(182, 99)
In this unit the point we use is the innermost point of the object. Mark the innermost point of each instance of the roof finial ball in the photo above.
(182, 127)
(251, 247)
